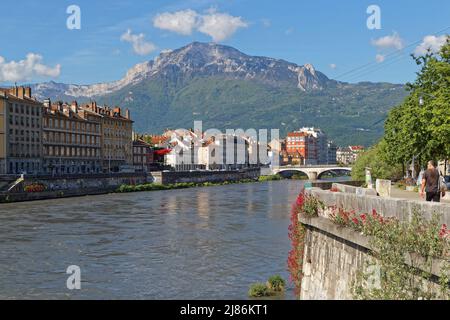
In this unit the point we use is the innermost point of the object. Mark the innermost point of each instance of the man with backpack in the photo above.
(432, 185)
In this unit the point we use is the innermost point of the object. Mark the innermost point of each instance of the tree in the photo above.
(422, 129)
(375, 158)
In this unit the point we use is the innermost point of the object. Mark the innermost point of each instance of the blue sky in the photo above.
(331, 35)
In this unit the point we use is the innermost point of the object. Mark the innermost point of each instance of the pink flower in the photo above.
(443, 232)
(374, 213)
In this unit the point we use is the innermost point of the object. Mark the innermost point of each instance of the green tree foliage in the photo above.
(412, 129)
(375, 158)
(348, 113)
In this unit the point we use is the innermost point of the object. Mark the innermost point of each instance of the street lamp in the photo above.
(421, 99)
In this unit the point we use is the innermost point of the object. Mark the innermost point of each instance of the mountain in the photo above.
(226, 88)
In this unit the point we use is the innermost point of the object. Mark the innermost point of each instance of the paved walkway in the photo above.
(411, 195)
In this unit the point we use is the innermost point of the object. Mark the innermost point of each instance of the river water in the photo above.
(199, 243)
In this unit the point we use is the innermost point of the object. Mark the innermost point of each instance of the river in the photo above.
(199, 243)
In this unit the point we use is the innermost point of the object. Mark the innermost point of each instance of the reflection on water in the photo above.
(201, 243)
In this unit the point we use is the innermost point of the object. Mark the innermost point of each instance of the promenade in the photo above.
(411, 195)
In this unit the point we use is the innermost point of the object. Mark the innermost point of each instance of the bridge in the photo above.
(313, 172)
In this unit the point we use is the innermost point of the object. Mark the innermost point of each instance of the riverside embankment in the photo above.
(356, 236)
(31, 188)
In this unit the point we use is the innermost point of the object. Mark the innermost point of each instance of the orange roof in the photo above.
(356, 148)
(158, 139)
(296, 134)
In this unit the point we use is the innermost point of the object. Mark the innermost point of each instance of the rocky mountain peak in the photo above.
(199, 59)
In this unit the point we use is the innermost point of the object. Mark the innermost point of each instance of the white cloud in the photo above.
(219, 26)
(380, 58)
(182, 22)
(431, 43)
(25, 70)
(333, 66)
(140, 46)
(388, 42)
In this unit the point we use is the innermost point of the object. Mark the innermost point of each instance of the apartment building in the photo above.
(331, 153)
(303, 146)
(143, 155)
(117, 136)
(321, 144)
(20, 131)
(310, 146)
(71, 139)
(348, 155)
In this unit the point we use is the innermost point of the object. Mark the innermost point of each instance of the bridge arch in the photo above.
(313, 172)
(288, 173)
(337, 170)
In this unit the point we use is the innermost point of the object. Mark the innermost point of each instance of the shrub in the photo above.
(311, 206)
(273, 177)
(258, 290)
(276, 283)
(299, 176)
(392, 241)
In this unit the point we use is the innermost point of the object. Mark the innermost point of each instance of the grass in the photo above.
(274, 285)
(259, 290)
(274, 177)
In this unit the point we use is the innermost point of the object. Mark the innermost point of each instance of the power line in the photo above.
(376, 68)
(387, 56)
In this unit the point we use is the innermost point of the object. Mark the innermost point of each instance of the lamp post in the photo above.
(422, 100)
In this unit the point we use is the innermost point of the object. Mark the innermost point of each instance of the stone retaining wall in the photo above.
(67, 186)
(171, 177)
(333, 259)
(334, 256)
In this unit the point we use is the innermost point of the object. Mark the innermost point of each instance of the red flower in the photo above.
(443, 232)
(300, 200)
(363, 217)
(374, 213)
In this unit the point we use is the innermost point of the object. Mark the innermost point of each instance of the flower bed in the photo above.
(34, 188)
(305, 206)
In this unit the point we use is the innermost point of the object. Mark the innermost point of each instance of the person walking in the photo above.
(431, 183)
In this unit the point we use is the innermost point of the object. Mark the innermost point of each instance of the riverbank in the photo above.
(185, 185)
(47, 188)
(32, 188)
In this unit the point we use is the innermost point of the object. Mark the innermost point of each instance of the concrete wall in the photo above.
(101, 181)
(56, 187)
(171, 177)
(327, 185)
